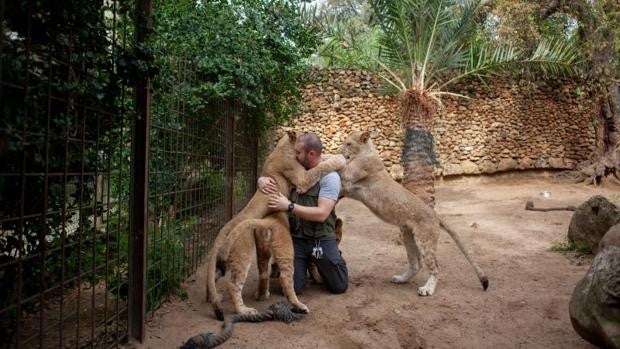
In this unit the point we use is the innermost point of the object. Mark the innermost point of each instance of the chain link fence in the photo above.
(68, 139)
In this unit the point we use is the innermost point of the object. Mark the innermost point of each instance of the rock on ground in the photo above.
(592, 220)
(595, 303)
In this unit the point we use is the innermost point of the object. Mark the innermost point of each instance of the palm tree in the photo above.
(426, 47)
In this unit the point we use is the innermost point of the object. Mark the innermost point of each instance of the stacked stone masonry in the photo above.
(504, 126)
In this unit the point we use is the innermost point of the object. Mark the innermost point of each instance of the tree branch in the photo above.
(550, 9)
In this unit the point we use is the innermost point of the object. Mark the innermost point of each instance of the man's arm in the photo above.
(308, 213)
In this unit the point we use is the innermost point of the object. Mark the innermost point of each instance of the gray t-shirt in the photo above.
(330, 186)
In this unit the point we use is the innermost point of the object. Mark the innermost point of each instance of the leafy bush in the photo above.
(250, 51)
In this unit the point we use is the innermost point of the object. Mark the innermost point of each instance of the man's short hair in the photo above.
(311, 142)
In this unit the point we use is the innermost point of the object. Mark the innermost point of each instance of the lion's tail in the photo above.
(484, 280)
(216, 267)
(212, 295)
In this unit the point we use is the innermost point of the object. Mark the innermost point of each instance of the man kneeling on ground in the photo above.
(312, 218)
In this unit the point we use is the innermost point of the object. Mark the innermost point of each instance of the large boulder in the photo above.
(595, 304)
(592, 220)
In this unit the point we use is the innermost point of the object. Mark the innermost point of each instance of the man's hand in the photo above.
(278, 202)
(267, 185)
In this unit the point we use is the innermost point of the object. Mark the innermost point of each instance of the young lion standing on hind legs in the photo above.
(365, 179)
(240, 238)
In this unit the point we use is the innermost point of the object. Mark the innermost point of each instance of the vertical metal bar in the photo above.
(42, 234)
(230, 158)
(179, 155)
(64, 199)
(108, 207)
(82, 225)
(254, 161)
(121, 203)
(119, 216)
(96, 189)
(2, 30)
(63, 238)
(20, 233)
(139, 185)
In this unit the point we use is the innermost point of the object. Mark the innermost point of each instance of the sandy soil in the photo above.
(526, 305)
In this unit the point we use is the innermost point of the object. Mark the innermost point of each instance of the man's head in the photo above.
(308, 150)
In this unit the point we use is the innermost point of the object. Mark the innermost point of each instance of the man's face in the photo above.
(301, 154)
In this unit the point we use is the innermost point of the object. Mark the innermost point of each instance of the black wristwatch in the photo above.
(291, 207)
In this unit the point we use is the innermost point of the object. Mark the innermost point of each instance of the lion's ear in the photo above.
(292, 136)
(364, 137)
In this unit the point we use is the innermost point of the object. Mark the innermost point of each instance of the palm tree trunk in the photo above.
(419, 163)
(418, 156)
(608, 112)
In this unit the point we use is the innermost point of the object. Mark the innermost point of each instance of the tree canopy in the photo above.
(250, 51)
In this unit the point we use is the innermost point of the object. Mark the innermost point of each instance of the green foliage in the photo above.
(566, 246)
(251, 51)
(519, 23)
(82, 54)
(429, 45)
(348, 39)
(166, 261)
(61, 51)
(215, 59)
(591, 25)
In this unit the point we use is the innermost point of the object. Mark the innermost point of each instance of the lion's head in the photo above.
(285, 147)
(355, 143)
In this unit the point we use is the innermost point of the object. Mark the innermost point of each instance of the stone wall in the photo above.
(506, 125)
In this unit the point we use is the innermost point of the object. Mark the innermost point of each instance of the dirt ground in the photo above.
(526, 305)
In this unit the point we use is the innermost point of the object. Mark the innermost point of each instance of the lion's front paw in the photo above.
(425, 291)
(301, 308)
(301, 189)
(429, 287)
(310, 179)
(338, 161)
(246, 310)
(399, 279)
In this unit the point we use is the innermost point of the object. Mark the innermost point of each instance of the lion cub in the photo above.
(267, 236)
(365, 179)
(281, 165)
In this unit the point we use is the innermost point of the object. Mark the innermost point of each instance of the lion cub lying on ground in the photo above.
(365, 179)
(283, 167)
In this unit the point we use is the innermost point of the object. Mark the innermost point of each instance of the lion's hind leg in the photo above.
(426, 241)
(240, 260)
(282, 248)
(263, 256)
(412, 254)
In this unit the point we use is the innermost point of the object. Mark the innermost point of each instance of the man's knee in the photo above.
(340, 287)
(337, 279)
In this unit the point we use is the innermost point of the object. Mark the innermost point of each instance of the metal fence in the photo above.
(202, 171)
(107, 200)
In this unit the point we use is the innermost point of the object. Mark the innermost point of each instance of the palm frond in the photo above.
(485, 61)
(429, 47)
(441, 93)
(553, 58)
(395, 80)
(432, 44)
